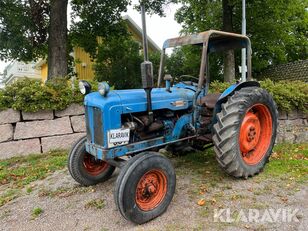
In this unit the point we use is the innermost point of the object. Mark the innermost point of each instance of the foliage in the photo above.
(277, 29)
(154, 7)
(288, 95)
(93, 19)
(32, 95)
(118, 61)
(23, 29)
(218, 87)
(186, 60)
(24, 33)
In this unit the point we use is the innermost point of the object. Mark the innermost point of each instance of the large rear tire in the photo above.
(145, 187)
(85, 168)
(245, 132)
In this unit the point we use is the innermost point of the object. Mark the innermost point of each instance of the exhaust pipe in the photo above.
(146, 67)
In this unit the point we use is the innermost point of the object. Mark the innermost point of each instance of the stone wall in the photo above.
(292, 127)
(23, 133)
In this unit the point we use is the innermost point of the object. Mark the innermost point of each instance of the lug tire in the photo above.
(132, 194)
(84, 168)
(245, 132)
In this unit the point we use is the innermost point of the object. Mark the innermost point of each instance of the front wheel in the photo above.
(85, 168)
(245, 132)
(145, 187)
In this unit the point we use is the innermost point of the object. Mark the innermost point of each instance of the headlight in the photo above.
(103, 88)
(84, 87)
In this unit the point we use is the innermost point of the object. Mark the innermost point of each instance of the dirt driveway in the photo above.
(58, 203)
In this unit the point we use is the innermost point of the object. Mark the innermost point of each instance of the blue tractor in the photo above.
(125, 128)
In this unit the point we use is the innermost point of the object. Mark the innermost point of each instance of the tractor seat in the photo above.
(209, 100)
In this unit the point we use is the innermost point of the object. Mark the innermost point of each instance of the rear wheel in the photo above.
(245, 132)
(145, 187)
(85, 168)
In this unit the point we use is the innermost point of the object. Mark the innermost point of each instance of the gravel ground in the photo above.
(64, 204)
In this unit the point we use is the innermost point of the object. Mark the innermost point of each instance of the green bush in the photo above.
(288, 95)
(31, 95)
(218, 87)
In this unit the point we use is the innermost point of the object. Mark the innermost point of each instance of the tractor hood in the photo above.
(134, 100)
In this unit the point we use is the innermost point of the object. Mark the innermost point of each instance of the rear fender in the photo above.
(229, 92)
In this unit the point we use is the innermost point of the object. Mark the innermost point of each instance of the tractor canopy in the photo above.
(212, 41)
(217, 41)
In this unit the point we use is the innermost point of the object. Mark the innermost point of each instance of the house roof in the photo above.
(39, 63)
(137, 29)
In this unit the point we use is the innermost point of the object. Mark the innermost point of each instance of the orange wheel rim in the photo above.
(94, 166)
(255, 134)
(151, 190)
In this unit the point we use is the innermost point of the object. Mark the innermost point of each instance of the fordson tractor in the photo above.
(125, 128)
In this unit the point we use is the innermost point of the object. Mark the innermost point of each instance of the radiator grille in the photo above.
(89, 135)
(98, 128)
(94, 125)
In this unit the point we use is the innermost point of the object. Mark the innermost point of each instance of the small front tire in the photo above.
(145, 187)
(85, 168)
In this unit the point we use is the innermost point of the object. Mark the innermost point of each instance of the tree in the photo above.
(200, 16)
(57, 42)
(23, 29)
(31, 29)
(277, 29)
(227, 25)
(118, 61)
(186, 60)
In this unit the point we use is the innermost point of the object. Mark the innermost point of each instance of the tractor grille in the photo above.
(94, 125)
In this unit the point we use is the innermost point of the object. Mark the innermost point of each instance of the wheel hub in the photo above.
(94, 166)
(255, 133)
(151, 190)
(250, 132)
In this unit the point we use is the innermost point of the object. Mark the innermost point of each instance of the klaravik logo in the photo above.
(256, 216)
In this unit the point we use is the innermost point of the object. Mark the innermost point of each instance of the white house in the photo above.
(19, 70)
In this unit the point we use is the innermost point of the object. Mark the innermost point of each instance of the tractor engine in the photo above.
(142, 129)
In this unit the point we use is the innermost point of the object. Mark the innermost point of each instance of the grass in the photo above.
(9, 195)
(286, 171)
(64, 191)
(36, 212)
(95, 203)
(289, 163)
(18, 172)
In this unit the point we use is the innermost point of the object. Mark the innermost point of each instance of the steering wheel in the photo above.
(193, 80)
